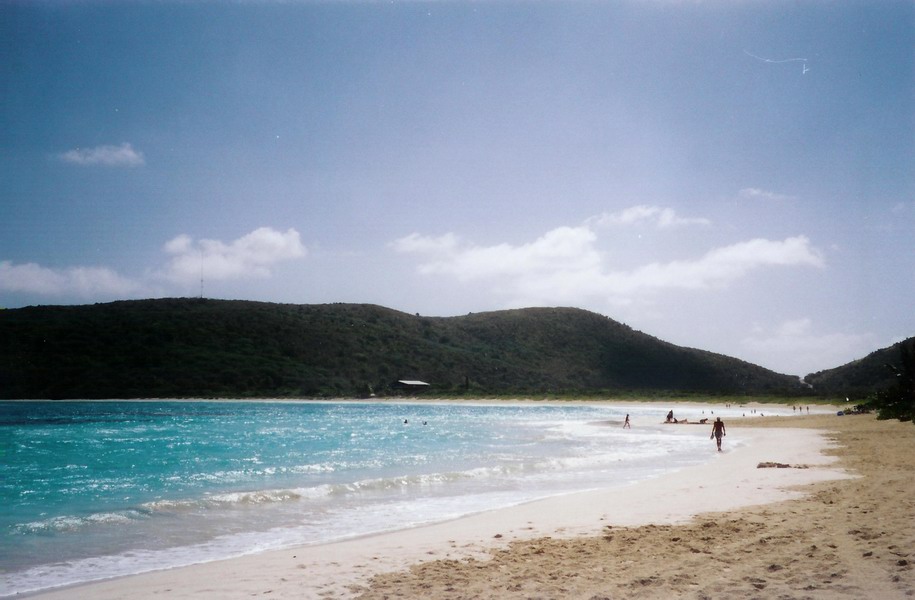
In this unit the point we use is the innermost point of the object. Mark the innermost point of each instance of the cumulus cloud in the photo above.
(82, 281)
(252, 255)
(795, 347)
(422, 243)
(660, 217)
(758, 194)
(108, 156)
(717, 267)
(560, 249)
(565, 265)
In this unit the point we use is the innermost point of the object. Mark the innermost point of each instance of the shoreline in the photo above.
(702, 401)
(847, 538)
(336, 568)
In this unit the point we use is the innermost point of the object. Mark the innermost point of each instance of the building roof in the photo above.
(411, 382)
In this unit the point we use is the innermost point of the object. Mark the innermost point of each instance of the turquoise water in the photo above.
(94, 490)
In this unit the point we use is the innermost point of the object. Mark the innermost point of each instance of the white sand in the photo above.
(731, 481)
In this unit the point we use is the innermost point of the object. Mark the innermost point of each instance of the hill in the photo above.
(207, 348)
(879, 370)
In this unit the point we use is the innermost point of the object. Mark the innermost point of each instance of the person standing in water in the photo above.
(718, 432)
(626, 424)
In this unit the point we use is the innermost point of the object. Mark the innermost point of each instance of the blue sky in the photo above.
(732, 176)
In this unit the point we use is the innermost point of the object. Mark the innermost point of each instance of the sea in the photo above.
(95, 490)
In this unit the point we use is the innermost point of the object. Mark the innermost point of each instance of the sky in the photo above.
(737, 177)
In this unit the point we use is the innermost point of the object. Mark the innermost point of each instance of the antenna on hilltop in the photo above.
(201, 274)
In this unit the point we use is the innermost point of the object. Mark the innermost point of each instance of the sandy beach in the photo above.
(835, 521)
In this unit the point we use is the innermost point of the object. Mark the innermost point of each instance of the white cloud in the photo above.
(421, 243)
(108, 156)
(179, 245)
(564, 248)
(252, 255)
(661, 217)
(717, 267)
(795, 347)
(758, 194)
(565, 265)
(82, 281)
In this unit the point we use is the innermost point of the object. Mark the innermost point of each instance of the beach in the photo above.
(835, 522)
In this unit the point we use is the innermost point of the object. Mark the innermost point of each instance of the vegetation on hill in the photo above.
(884, 380)
(207, 348)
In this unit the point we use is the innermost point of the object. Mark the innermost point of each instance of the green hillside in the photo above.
(207, 348)
(879, 370)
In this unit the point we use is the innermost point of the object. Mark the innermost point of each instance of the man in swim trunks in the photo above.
(718, 432)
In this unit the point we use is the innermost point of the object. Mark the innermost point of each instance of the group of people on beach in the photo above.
(718, 430)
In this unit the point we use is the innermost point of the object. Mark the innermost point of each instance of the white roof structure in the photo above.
(411, 382)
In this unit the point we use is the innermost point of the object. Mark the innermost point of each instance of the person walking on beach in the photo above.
(718, 432)
(626, 424)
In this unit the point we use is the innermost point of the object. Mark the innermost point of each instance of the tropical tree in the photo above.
(898, 401)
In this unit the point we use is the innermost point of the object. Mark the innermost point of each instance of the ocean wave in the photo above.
(312, 468)
(332, 490)
(71, 523)
(504, 468)
(97, 568)
(258, 471)
(423, 480)
(270, 496)
(239, 498)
